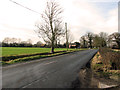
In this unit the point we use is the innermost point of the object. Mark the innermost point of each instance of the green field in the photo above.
(7, 51)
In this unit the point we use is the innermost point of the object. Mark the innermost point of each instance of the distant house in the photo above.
(42, 45)
(113, 44)
(74, 45)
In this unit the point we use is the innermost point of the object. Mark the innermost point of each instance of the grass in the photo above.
(8, 51)
(33, 58)
(101, 68)
(11, 55)
(97, 66)
(116, 50)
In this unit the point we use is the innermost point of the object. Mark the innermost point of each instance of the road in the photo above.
(53, 72)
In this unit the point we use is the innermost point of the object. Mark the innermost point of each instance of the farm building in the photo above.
(74, 45)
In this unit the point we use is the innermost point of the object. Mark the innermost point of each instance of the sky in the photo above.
(81, 16)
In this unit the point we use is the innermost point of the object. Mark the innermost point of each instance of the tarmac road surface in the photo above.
(53, 72)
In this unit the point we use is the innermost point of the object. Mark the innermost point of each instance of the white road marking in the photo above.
(49, 63)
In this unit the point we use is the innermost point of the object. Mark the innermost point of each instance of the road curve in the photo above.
(53, 72)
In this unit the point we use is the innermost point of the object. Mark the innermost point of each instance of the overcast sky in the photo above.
(81, 15)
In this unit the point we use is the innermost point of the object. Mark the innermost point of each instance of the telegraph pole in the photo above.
(66, 36)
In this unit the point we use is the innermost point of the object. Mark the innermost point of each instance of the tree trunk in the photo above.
(53, 37)
(52, 46)
(52, 49)
(84, 45)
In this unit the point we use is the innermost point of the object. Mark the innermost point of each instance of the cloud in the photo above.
(81, 16)
(16, 21)
(85, 17)
(16, 32)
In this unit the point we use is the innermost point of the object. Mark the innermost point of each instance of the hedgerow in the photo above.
(110, 58)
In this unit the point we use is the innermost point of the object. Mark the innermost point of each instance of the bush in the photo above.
(110, 58)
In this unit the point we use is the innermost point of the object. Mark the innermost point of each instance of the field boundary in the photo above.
(12, 57)
(102, 64)
(29, 58)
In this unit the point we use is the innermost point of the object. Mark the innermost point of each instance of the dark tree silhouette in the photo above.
(51, 27)
(115, 37)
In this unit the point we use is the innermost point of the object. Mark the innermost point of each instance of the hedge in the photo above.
(110, 58)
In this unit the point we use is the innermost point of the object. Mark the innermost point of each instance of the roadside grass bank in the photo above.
(105, 67)
(24, 58)
(106, 64)
(96, 74)
(11, 53)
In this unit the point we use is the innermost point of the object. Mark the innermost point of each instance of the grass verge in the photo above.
(11, 53)
(35, 57)
(103, 65)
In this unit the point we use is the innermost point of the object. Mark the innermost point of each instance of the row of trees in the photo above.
(90, 40)
(51, 30)
(14, 42)
(17, 42)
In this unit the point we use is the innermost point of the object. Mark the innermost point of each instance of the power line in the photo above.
(24, 7)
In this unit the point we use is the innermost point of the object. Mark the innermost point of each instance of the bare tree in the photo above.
(103, 35)
(97, 41)
(89, 37)
(115, 37)
(29, 41)
(100, 40)
(13, 40)
(19, 40)
(51, 27)
(6, 40)
(83, 41)
(39, 43)
(103, 38)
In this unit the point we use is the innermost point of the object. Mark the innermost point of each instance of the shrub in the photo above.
(110, 58)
